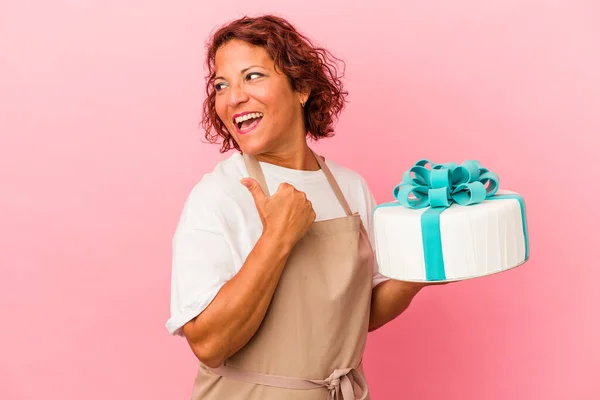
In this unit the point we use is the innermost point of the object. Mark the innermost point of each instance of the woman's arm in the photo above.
(391, 298)
(237, 311)
(235, 314)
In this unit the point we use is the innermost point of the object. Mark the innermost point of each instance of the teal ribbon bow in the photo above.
(438, 187)
(444, 184)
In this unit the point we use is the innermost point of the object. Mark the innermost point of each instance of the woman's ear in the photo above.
(303, 96)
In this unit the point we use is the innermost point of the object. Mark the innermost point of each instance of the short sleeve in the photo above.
(371, 203)
(202, 260)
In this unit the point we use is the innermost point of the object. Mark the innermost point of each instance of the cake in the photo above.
(450, 222)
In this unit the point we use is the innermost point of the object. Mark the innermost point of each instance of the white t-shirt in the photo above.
(220, 225)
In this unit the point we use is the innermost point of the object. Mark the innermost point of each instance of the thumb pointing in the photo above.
(254, 188)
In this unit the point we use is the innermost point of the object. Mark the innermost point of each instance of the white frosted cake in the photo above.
(450, 222)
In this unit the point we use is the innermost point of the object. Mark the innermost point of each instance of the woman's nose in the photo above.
(237, 95)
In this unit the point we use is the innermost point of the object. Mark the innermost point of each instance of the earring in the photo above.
(303, 102)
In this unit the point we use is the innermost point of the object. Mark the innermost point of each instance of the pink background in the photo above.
(99, 146)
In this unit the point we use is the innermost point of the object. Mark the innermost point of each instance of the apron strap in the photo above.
(341, 383)
(255, 172)
(333, 183)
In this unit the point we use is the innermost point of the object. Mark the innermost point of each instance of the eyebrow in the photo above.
(241, 72)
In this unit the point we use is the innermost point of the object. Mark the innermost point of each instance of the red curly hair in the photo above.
(308, 68)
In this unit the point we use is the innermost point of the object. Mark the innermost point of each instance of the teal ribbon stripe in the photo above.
(437, 188)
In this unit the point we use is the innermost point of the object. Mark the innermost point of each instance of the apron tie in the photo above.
(340, 382)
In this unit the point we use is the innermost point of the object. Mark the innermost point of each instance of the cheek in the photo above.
(272, 93)
(221, 109)
(263, 95)
(275, 99)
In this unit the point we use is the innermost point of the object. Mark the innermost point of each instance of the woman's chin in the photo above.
(251, 147)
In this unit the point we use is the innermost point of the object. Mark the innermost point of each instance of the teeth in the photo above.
(247, 117)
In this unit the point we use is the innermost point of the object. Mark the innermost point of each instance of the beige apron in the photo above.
(311, 341)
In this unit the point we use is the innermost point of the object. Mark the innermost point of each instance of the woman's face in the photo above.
(255, 102)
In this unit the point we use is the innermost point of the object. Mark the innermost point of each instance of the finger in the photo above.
(284, 186)
(255, 190)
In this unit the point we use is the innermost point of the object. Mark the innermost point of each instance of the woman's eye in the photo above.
(256, 74)
(219, 86)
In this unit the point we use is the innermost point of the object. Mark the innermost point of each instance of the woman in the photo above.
(274, 280)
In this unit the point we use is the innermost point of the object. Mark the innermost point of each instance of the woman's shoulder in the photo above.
(355, 189)
(232, 167)
(220, 189)
(346, 176)
(223, 180)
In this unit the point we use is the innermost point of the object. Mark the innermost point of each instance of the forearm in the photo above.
(237, 311)
(389, 300)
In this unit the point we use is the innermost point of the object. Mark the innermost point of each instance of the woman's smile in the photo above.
(247, 121)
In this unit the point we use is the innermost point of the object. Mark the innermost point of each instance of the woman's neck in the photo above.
(293, 157)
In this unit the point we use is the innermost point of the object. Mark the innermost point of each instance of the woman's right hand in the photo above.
(286, 215)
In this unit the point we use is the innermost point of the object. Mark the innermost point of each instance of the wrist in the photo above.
(276, 242)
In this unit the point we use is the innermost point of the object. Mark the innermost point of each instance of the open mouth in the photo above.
(247, 122)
